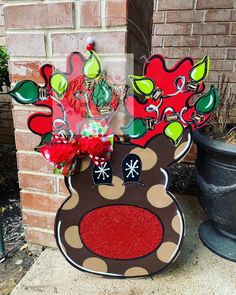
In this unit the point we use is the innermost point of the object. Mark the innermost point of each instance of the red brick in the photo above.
(211, 29)
(203, 4)
(219, 15)
(38, 16)
(33, 162)
(219, 41)
(26, 44)
(44, 221)
(155, 2)
(4, 97)
(20, 70)
(174, 5)
(191, 16)
(90, 13)
(193, 149)
(2, 21)
(26, 141)
(40, 183)
(3, 41)
(233, 32)
(222, 65)
(20, 118)
(190, 159)
(41, 202)
(116, 13)
(213, 76)
(214, 53)
(172, 52)
(35, 236)
(231, 54)
(182, 41)
(158, 17)
(157, 41)
(2, 31)
(172, 29)
(62, 188)
(233, 16)
(109, 42)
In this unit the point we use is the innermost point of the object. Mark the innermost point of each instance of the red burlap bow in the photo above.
(63, 153)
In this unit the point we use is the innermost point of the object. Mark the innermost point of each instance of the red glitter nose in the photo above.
(121, 231)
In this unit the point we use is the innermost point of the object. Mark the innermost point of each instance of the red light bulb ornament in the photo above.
(90, 43)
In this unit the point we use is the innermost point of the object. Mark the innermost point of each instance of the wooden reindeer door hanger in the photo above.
(120, 220)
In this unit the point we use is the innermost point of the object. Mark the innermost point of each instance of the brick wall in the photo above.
(195, 28)
(46, 31)
(2, 26)
(6, 123)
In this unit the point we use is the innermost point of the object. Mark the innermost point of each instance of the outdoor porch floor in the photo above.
(196, 271)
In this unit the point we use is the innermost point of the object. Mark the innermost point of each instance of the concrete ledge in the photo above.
(196, 271)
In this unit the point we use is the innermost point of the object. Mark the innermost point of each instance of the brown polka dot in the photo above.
(166, 251)
(72, 237)
(148, 157)
(72, 201)
(95, 264)
(177, 224)
(84, 164)
(180, 149)
(136, 271)
(112, 192)
(158, 197)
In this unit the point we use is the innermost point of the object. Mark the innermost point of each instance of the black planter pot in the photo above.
(216, 181)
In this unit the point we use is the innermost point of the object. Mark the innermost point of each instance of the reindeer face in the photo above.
(119, 220)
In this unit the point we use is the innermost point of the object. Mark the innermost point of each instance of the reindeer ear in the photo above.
(155, 62)
(46, 72)
(74, 65)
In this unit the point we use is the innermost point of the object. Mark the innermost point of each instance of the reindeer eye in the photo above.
(131, 168)
(102, 174)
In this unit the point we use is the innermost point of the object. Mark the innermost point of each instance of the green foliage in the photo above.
(4, 74)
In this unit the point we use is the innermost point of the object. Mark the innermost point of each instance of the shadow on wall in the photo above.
(6, 122)
(140, 16)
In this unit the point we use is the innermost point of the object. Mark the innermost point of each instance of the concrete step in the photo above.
(196, 271)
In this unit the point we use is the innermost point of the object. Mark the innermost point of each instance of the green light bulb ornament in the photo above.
(174, 131)
(135, 128)
(200, 70)
(142, 85)
(208, 102)
(59, 84)
(92, 68)
(25, 92)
